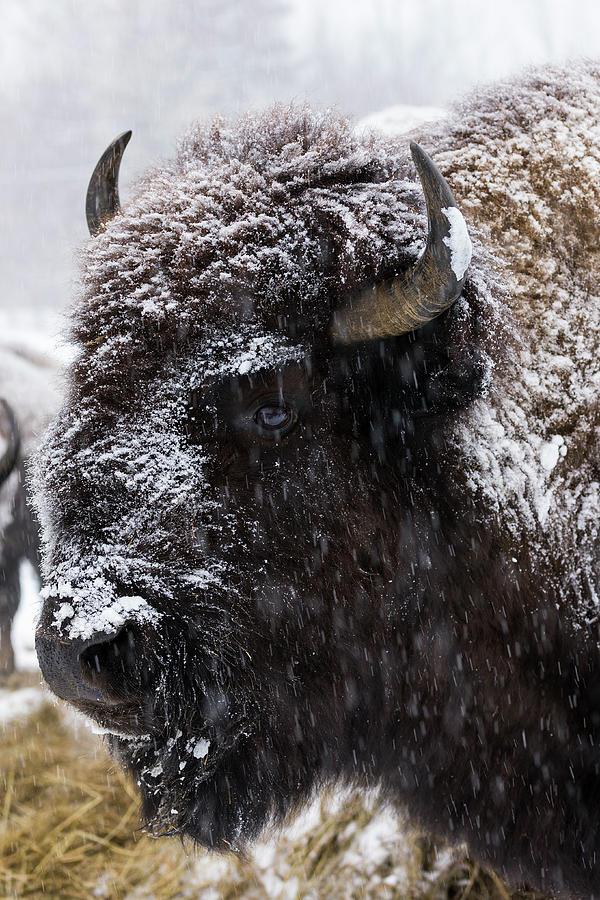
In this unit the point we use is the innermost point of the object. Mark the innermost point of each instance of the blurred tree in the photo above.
(76, 73)
(79, 73)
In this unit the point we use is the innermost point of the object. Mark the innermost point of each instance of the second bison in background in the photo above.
(29, 393)
(324, 505)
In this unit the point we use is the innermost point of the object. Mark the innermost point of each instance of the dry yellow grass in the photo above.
(69, 829)
(69, 819)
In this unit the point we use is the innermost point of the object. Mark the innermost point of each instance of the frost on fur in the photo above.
(291, 562)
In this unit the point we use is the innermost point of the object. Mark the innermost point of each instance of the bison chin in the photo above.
(207, 798)
(219, 762)
(221, 796)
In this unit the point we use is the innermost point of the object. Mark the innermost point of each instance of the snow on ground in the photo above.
(20, 703)
(23, 627)
(366, 852)
(400, 119)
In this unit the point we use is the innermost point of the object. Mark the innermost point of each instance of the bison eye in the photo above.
(272, 418)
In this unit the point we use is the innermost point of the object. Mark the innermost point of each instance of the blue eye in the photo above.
(273, 418)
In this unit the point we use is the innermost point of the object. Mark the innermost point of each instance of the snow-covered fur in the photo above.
(28, 383)
(399, 584)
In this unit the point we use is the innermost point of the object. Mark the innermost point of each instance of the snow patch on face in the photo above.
(458, 242)
(551, 451)
(64, 612)
(95, 728)
(265, 351)
(201, 748)
(103, 618)
(247, 351)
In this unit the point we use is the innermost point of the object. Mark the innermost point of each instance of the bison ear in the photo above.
(412, 299)
(102, 198)
(10, 431)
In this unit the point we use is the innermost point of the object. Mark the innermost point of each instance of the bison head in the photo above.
(243, 497)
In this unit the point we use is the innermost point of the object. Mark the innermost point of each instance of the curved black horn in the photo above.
(102, 198)
(9, 457)
(405, 302)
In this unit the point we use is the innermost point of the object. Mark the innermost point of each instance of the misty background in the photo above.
(75, 74)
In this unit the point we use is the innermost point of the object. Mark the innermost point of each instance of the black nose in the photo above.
(99, 669)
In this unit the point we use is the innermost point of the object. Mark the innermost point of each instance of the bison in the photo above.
(11, 503)
(29, 381)
(322, 503)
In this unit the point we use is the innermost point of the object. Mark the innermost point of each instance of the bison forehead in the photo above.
(245, 225)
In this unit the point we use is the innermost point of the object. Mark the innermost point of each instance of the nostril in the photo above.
(61, 666)
(114, 666)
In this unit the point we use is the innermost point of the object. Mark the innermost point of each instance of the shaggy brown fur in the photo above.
(398, 584)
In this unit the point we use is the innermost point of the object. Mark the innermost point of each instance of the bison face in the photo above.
(237, 509)
(216, 545)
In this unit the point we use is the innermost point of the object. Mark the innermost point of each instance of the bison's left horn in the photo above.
(408, 301)
(102, 198)
(13, 441)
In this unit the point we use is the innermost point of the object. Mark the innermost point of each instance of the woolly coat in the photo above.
(424, 564)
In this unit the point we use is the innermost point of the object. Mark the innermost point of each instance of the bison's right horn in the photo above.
(102, 198)
(8, 422)
(411, 299)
